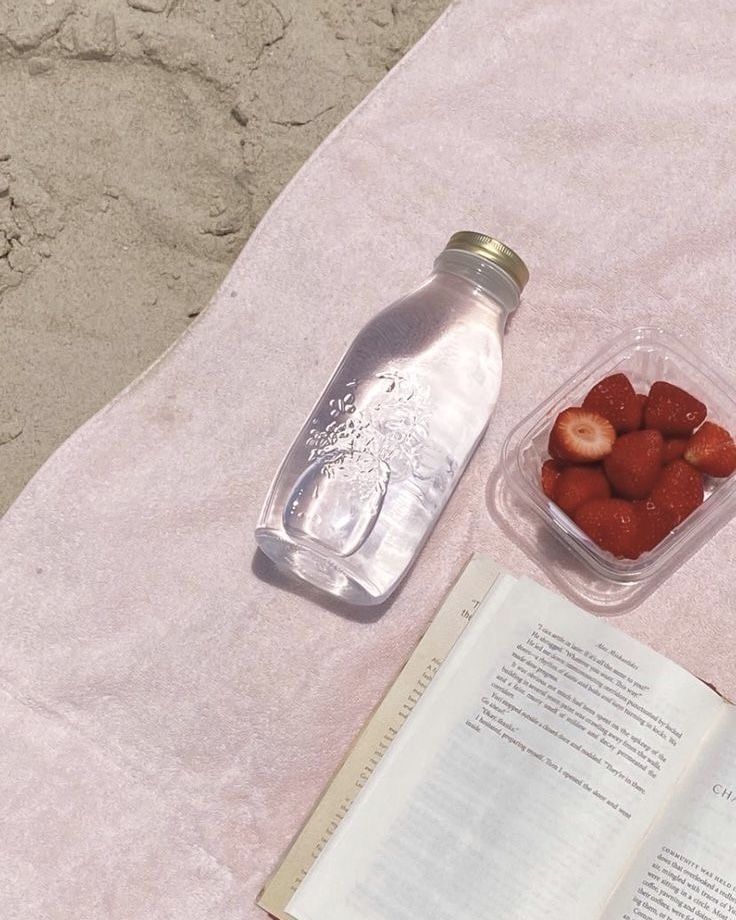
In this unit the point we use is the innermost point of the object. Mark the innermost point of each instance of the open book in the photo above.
(553, 768)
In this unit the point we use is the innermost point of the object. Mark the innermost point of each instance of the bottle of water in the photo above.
(378, 457)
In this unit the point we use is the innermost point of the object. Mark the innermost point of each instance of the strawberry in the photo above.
(634, 464)
(673, 449)
(613, 524)
(678, 491)
(615, 399)
(655, 523)
(581, 436)
(673, 411)
(551, 470)
(551, 447)
(712, 450)
(579, 484)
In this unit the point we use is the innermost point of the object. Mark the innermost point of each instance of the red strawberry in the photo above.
(551, 470)
(712, 450)
(581, 436)
(673, 411)
(634, 464)
(679, 490)
(613, 524)
(614, 398)
(551, 447)
(673, 449)
(579, 484)
(655, 523)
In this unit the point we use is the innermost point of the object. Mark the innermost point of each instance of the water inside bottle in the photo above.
(370, 434)
(379, 456)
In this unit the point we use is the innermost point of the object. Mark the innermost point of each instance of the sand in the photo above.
(140, 143)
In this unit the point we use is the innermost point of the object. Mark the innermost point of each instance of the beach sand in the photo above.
(140, 143)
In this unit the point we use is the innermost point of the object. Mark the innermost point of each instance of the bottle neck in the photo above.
(488, 278)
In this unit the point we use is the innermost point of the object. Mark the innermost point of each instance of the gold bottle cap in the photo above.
(494, 250)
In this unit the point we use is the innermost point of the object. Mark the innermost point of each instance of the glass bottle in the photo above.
(379, 455)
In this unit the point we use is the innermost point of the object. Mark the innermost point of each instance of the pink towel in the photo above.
(169, 709)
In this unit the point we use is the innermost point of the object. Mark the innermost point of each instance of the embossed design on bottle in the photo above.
(376, 433)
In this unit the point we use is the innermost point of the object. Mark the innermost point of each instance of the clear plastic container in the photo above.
(592, 577)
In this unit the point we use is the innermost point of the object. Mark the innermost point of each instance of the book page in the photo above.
(686, 870)
(378, 734)
(531, 771)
